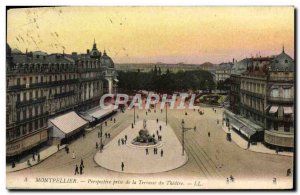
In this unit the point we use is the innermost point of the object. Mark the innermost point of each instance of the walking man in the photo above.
(96, 145)
(114, 120)
(39, 157)
(126, 137)
(81, 163)
(122, 166)
(147, 152)
(81, 169)
(118, 142)
(57, 147)
(76, 170)
(160, 127)
(208, 134)
(161, 153)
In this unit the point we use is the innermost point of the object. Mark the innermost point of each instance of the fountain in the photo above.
(144, 138)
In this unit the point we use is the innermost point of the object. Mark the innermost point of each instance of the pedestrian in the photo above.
(105, 123)
(274, 180)
(132, 125)
(76, 170)
(227, 180)
(288, 172)
(33, 157)
(161, 153)
(277, 150)
(119, 142)
(38, 157)
(81, 169)
(13, 165)
(208, 134)
(98, 134)
(231, 178)
(186, 113)
(157, 132)
(110, 118)
(215, 111)
(28, 162)
(67, 149)
(108, 135)
(125, 137)
(73, 155)
(105, 135)
(160, 127)
(248, 144)
(114, 120)
(57, 147)
(81, 163)
(122, 166)
(96, 145)
(147, 152)
(157, 120)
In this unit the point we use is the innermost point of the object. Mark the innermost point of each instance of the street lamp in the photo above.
(167, 114)
(184, 129)
(134, 115)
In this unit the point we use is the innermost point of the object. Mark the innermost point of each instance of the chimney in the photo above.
(87, 51)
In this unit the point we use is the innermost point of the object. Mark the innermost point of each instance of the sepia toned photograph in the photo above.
(150, 98)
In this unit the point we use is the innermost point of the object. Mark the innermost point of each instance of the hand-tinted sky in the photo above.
(155, 34)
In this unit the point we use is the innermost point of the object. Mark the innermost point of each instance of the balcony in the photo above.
(253, 94)
(30, 102)
(41, 85)
(62, 95)
(280, 99)
(32, 118)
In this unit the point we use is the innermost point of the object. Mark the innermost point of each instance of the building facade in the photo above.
(41, 86)
(262, 100)
(223, 71)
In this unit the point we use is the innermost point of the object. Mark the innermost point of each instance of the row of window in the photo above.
(253, 87)
(26, 128)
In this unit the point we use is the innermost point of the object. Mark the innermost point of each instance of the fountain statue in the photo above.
(144, 138)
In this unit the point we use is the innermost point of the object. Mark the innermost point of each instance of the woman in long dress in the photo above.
(73, 155)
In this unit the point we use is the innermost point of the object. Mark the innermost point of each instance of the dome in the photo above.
(282, 62)
(106, 60)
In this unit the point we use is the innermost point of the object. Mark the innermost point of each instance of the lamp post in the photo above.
(101, 138)
(184, 129)
(167, 114)
(134, 115)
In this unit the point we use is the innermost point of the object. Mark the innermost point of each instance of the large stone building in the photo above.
(42, 86)
(223, 71)
(262, 100)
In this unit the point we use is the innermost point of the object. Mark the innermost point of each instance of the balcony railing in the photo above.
(252, 93)
(30, 102)
(280, 99)
(40, 85)
(61, 95)
(32, 118)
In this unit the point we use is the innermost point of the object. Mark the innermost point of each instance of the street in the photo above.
(209, 158)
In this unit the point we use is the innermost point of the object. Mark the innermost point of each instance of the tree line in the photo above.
(169, 81)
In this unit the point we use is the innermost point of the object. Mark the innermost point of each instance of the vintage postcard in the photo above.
(150, 98)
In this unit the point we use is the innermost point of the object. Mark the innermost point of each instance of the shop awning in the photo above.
(68, 122)
(288, 110)
(236, 124)
(116, 80)
(100, 112)
(247, 131)
(273, 109)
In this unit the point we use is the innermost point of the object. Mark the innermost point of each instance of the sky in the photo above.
(192, 35)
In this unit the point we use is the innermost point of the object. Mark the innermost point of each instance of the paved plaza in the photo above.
(141, 159)
(211, 160)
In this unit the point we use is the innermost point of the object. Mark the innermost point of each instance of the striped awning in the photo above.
(273, 109)
(288, 110)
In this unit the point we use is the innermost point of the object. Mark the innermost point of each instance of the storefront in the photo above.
(97, 115)
(66, 127)
(17, 147)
